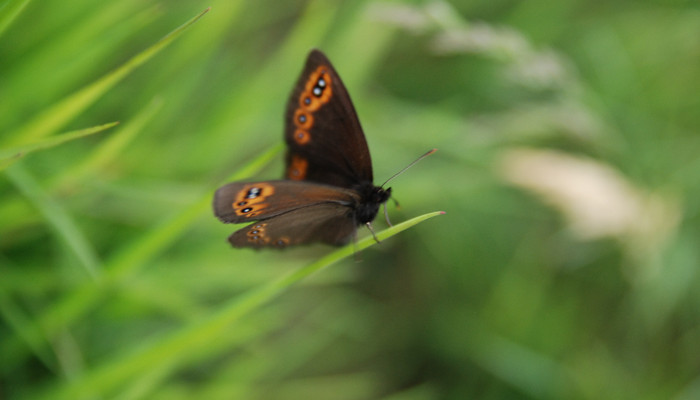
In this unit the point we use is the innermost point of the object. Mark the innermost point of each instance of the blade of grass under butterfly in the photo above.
(168, 350)
(10, 155)
(60, 113)
(9, 11)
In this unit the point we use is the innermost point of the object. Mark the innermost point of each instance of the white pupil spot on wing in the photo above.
(253, 193)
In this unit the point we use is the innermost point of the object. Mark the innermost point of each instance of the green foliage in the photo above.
(12, 154)
(568, 162)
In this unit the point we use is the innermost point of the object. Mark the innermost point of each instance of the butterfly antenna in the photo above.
(409, 166)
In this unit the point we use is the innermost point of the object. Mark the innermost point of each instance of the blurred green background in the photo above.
(568, 165)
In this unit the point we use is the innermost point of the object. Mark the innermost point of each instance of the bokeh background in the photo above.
(568, 165)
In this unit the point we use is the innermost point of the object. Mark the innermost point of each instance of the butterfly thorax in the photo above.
(371, 197)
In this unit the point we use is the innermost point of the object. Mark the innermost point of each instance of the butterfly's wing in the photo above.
(329, 223)
(323, 134)
(239, 202)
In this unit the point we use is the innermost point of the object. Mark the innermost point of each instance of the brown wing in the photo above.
(323, 134)
(327, 223)
(251, 201)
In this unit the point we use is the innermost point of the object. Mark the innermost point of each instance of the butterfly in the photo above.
(328, 191)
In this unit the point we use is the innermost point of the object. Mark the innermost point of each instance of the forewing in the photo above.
(329, 223)
(239, 202)
(323, 134)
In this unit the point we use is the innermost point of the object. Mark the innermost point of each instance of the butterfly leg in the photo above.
(369, 226)
(386, 216)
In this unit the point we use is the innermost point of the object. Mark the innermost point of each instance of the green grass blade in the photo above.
(83, 299)
(254, 166)
(168, 351)
(21, 324)
(58, 218)
(135, 255)
(10, 155)
(259, 296)
(9, 11)
(346, 251)
(314, 23)
(109, 149)
(12, 208)
(59, 114)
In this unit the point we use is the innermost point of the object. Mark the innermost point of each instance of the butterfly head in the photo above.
(371, 197)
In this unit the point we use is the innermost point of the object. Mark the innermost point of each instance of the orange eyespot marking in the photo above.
(250, 212)
(309, 102)
(250, 200)
(301, 136)
(256, 212)
(317, 90)
(297, 168)
(256, 234)
(303, 120)
(257, 230)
